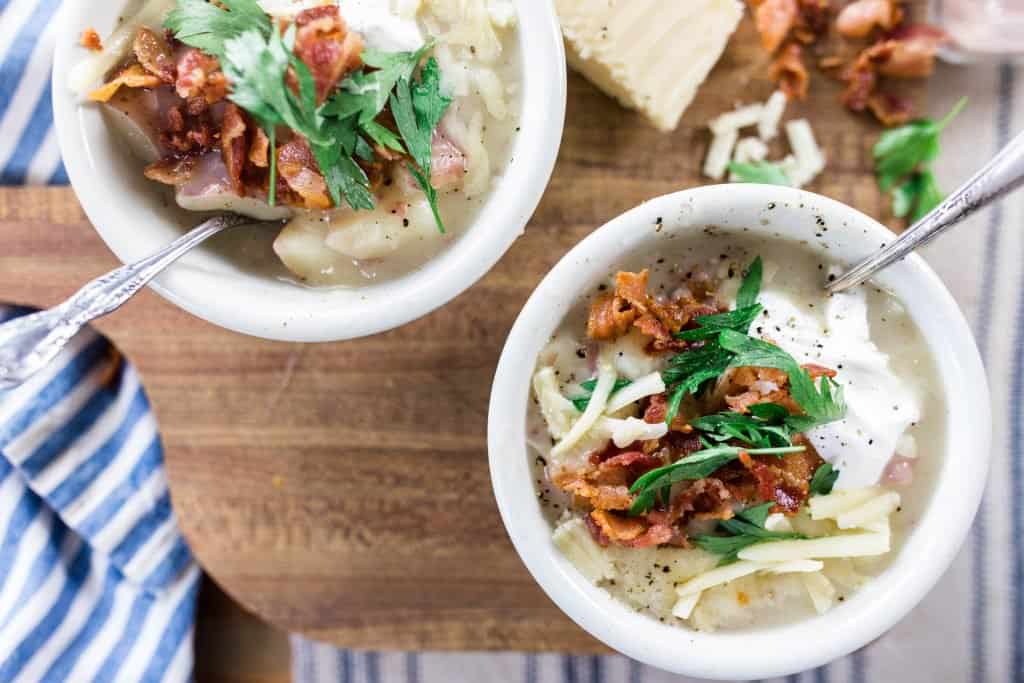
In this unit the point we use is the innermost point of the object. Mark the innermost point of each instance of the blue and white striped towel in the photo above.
(83, 607)
(96, 582)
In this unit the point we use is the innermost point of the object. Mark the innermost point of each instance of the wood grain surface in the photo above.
(342, 490)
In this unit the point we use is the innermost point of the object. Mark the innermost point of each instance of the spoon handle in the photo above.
(29, 343)
(1002, 175)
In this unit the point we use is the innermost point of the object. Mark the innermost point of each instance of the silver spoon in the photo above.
(1002, 175)
(30, 343)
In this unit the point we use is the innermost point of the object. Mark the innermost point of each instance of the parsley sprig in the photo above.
(903, 156)
(691, 468)
(743, 531)
(764, 172)
(257, 59)
(767, 425)
(824, 479)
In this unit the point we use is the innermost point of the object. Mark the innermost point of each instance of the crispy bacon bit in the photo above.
(297, 167)
(186, 134)
(596, 533)
(785, 480)
(259, 151)
(861, 80)
(859, 18)
(618, 528)
(816, 371)
(657, 411)
(774, 20)
(890, 109)
(705, 498)
(155, 55)
(233, 145)
(133, 76)
(171, 171)
(610, 318)
(327, 47)
(199, 79)
(909, 52)
(814, 16)
(91, 40)
(633, 464)
(655, 535)
(790, 73)
(747, 386)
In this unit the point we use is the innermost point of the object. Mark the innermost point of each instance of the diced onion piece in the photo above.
(809, 157)
(875, 510)
(771, 115)
(558, 411)
(749, 149)
(719, 154)
(778, 522)
(821, 590)
(847, 545)
(89, 72)
(838, 502)
(632, 429)
(684, 606)
(579, 547)
(598, 401)
(649, 385)
(907, 446)
(741, 117)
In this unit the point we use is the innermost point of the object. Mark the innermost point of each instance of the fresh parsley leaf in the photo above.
(694, 466)
(582, 401)
(902, 156)
(824, 479)
(209, 26)
(710, 325)
(688, 371)
(758, 514)
(418, 108)
(365, 94)
(824, 404)
(750, 288)
(768, 425)
(743, 531)
(747, 309)
(759, 172)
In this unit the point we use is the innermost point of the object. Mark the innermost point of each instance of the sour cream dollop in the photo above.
(383, 25)
(880, 406)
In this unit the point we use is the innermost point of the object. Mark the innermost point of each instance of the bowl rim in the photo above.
(925, 554)
(308, 314)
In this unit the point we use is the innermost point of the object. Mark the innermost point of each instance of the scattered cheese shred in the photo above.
(737, 119)
(875, 510)
(847, 545)
(719, 154)
(648, 385)
(821, 590)
(598, 400)
(838, 502)
(771, 116)
(631, 430)
(750, 149)
(809, 157)
(558, 411)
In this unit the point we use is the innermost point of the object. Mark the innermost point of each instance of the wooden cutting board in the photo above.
(342, 489)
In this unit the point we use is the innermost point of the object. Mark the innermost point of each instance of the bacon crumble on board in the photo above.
(91, 40)
(790, 73)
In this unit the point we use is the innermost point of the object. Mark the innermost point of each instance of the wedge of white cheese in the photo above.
(651, 55)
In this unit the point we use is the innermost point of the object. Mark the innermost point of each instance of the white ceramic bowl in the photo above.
(132, 217)
(924, 556)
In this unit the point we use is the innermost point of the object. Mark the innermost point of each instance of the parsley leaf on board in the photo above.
(694, 466)
(902, 156)
(764, 172)
(208, 27)
(824, 479)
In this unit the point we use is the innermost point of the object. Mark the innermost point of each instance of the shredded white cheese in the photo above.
(872, 512)
(821, 591)
(648, 385)
(558, 411)
(579, 547)
(810, 160)
(598, 400)
(719, 154)
(846, 545)
(838, 502)
(737, 119)
(771, 116)
(750, 149)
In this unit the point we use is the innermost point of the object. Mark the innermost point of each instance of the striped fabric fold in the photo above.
(28, 144)
(96, 582)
